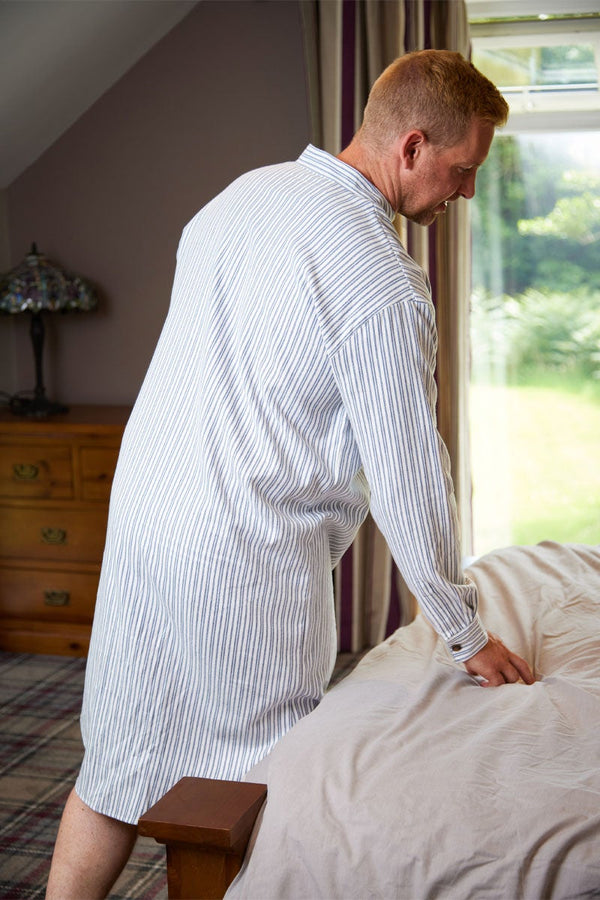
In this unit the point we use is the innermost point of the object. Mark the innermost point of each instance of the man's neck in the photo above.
(376, 168)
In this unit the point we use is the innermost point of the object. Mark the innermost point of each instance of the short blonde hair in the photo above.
(438, 92)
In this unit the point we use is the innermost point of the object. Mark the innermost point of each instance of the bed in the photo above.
(411, 781)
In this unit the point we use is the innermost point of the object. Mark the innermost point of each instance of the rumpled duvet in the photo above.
(412, 781)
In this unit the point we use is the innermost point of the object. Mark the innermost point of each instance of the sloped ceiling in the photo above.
(57, 57)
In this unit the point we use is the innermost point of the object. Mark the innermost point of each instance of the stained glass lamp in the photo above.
(37, 286)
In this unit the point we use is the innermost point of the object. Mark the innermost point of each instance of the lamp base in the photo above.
(37, 407)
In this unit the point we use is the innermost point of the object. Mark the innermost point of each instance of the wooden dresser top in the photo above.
(101, 419)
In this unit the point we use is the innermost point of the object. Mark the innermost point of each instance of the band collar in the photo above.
(349, 177)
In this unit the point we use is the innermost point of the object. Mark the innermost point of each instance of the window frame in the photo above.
(532, 111)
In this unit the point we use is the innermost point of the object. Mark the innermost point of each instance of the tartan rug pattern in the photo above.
(40, 755)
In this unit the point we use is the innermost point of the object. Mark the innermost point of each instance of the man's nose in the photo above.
(467, 187)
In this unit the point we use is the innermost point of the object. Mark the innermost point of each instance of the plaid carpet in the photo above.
(40, 755)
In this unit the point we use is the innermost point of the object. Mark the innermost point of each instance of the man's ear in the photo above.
(410, 146)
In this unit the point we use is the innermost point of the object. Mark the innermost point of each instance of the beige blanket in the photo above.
(411, 781)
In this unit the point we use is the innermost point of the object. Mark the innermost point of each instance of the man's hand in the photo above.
(497, 665)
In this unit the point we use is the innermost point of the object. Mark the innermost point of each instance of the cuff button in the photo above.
(456, 647)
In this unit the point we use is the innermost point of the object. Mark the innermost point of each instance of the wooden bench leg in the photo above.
(206, 825)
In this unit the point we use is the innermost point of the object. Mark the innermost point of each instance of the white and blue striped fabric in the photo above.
(292, 386)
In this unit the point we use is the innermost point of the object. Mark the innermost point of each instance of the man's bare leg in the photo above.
(90, 853)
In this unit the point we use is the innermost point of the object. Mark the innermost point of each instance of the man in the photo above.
(292, 389)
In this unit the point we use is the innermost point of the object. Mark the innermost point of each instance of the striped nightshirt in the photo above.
(292, 388)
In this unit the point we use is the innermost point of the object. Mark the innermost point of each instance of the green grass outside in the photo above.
(535, 460)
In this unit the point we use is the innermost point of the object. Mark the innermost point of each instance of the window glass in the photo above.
(546, 77)
(535, 341)
(542, 67)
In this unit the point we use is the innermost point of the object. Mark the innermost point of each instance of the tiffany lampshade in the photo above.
(37, 286)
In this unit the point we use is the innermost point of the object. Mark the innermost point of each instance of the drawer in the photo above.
(97, 468)
(48, 595)
(34, 636)
(73, 535)
(36, 470)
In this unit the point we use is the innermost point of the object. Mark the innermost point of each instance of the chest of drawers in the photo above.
(55, 480)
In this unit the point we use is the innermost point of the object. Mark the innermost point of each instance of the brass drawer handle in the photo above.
(54, 536)
(57, 598)
(25, 471)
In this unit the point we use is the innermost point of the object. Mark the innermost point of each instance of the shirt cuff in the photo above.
(469, 641)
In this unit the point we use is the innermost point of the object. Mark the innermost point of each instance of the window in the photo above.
(535, 318)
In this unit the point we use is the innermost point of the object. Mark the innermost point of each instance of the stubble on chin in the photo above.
(426, 216)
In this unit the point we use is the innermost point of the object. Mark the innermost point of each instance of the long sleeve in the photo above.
(385, 375)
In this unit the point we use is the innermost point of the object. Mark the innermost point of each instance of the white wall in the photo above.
(223, 92)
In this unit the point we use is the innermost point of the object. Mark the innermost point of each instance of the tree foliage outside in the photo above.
(535, 342)
(537, 335)
(536, 264)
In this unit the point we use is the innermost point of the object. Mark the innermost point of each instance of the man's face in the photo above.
(439, 176)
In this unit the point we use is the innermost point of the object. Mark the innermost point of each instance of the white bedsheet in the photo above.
(411, 781)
